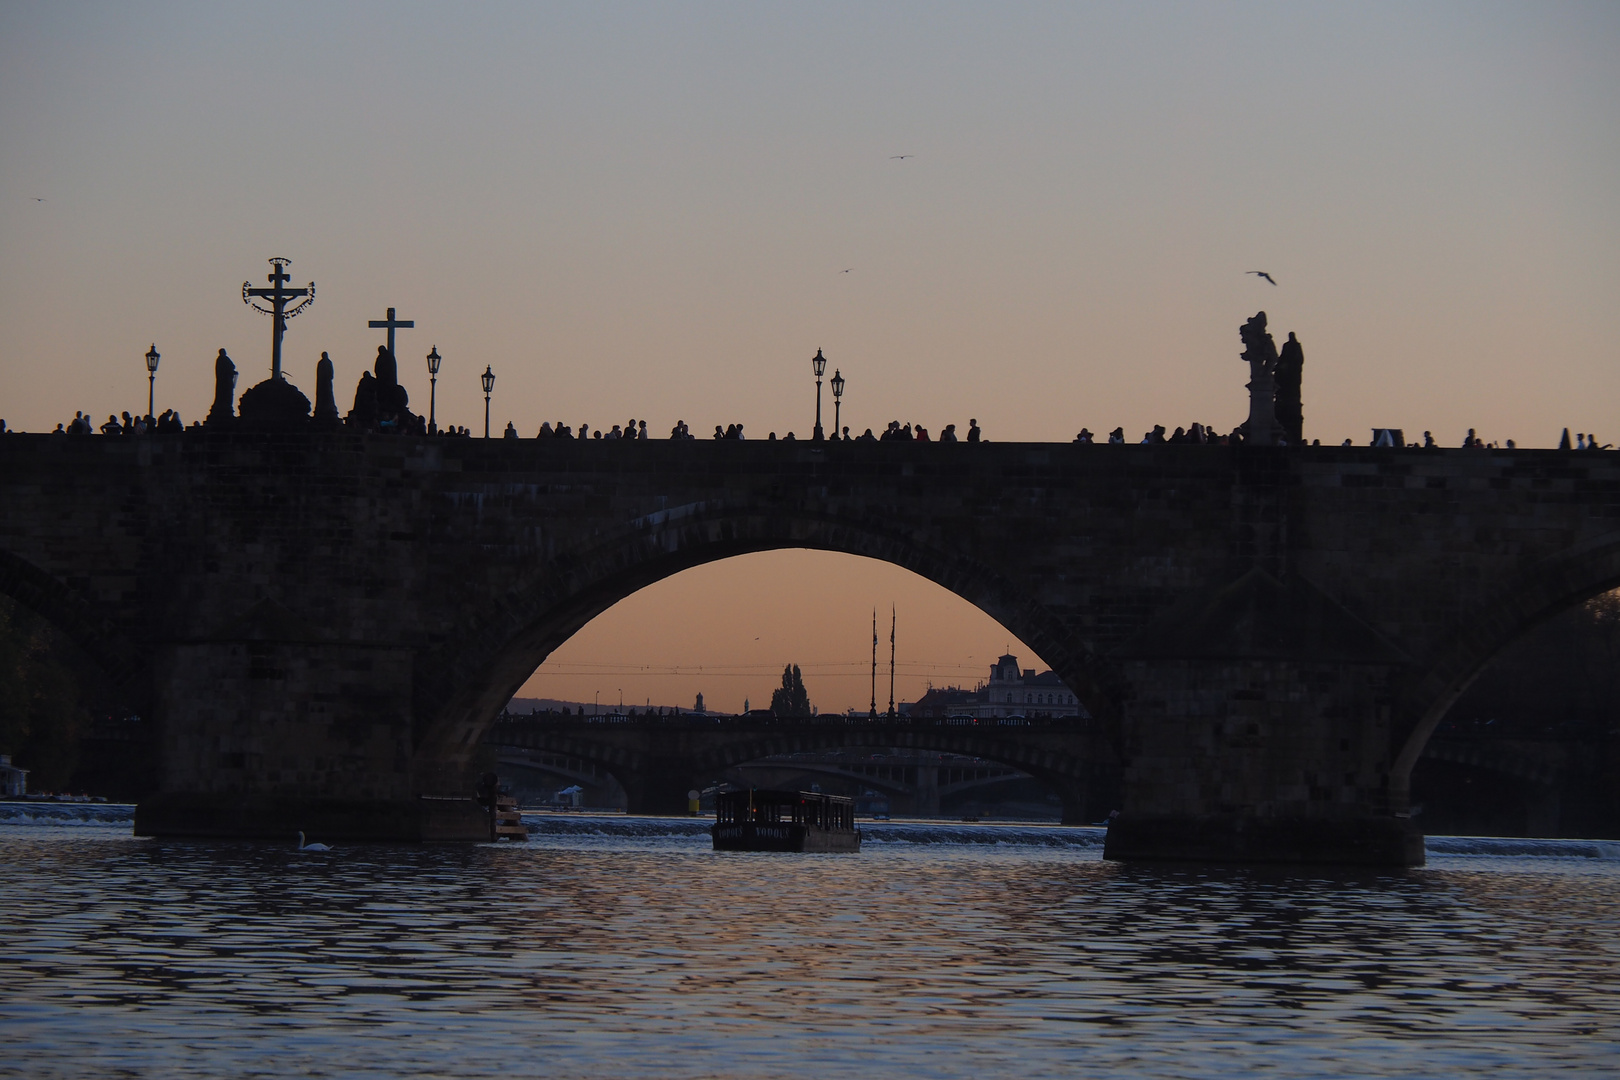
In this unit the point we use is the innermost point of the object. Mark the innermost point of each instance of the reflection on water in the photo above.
(616, 950)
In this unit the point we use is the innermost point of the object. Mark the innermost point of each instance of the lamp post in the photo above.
(819, 363)
(433, 359)
(838, 401)
(488, 379)
(152, 358)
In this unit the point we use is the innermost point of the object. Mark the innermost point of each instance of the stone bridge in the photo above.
(658, 760)
(324, 625)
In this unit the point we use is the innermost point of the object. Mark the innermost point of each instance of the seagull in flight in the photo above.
(900, 157)
(846, 271)
(36, 198)
(1260, 273)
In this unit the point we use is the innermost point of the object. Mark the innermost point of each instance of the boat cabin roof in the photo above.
(772, 797)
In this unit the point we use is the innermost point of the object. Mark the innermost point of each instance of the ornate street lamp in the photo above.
(488, 379)
(838, 401)
(819, 363)
(152, 358)
(433, 359)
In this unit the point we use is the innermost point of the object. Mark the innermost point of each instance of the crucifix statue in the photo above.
(278, 294)
(390, 324)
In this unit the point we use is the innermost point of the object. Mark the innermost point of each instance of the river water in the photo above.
(619, 947)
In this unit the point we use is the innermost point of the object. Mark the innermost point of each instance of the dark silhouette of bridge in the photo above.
(920, 782)
(324, 625)
(657, 760)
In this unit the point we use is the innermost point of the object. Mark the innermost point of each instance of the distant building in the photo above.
(1010, 691)
(1014, 693)
(14, 779)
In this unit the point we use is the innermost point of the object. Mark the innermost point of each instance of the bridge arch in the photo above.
(498, 651)
(1531, 599)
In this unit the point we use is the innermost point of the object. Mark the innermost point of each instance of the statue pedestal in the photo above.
(274, 405)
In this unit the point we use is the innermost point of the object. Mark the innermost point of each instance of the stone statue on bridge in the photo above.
(1290, 371)
(380, 402)
(364, 413)
(1261, 353)
(224, 407)
(326, 414)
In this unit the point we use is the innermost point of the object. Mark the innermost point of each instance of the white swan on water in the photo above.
(309, 847)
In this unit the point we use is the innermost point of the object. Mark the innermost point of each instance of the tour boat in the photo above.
(757, 820)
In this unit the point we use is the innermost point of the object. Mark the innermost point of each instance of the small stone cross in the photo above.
(390, 324)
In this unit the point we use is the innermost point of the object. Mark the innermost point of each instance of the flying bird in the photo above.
(900, 157)
(846, 271)
(36, 198)
(1260, 273)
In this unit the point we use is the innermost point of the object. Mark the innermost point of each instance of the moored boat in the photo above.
(759, 820)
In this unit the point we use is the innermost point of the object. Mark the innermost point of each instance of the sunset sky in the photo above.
(648, 211)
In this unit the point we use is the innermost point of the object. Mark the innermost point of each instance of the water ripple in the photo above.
(598, 953)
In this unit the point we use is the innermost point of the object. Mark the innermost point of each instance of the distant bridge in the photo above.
(657, 760)
(924, 778)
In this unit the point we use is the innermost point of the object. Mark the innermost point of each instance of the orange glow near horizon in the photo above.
(726, 630)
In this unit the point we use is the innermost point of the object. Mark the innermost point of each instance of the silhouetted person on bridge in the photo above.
(974, 434)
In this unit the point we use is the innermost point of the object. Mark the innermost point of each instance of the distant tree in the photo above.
(699, 706)
(791, 699)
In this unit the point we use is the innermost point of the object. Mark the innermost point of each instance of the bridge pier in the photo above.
(1074, 795)
(925, 796)
(1259, 761)
(263, 736)
(659, 787)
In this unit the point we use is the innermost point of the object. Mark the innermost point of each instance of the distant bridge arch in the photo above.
(658, 760)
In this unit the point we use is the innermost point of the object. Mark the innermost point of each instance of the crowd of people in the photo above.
(637, 429)
(1201, 433)
(169, 423)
